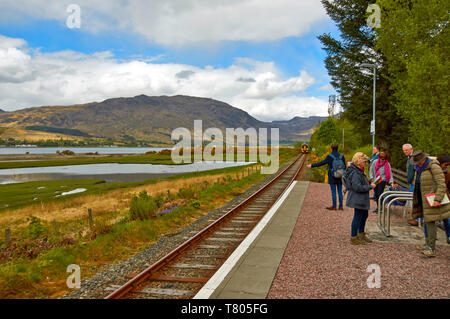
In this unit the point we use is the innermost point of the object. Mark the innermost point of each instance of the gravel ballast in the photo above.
(320, 262)
(112, 276)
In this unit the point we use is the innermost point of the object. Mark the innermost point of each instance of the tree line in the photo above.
(410, 48)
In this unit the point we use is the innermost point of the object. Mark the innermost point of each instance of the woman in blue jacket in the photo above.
(335, 183)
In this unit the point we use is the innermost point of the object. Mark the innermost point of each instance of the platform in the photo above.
(303, 251)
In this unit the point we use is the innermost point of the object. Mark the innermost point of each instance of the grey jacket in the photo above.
(358, 188)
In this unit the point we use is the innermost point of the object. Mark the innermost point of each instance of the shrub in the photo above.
(187, 193)
(143, 206)
(35, 228)
(195, 204)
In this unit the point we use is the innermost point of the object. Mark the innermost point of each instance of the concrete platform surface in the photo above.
(252, 275)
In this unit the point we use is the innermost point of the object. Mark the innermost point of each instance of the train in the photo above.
(304, 148)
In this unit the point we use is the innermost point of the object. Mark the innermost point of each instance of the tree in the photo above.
(414, 39)
(328, 132)
(353, 83)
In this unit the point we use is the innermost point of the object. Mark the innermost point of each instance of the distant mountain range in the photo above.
(148, 118)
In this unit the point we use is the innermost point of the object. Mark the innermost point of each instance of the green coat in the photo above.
(432, 180)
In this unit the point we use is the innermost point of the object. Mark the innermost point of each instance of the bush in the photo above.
(187, 193)
(35, 228)
(195, 204)
(143, 207)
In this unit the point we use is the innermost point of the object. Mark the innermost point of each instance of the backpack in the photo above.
(337, 167)
(346, 181)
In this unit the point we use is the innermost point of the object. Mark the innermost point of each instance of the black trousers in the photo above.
(379, 190)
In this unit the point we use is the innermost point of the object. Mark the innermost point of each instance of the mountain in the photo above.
(151, 119)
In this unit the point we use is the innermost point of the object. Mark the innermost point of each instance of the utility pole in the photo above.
(372, 124)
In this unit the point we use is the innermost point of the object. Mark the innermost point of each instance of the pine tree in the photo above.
(355, 84)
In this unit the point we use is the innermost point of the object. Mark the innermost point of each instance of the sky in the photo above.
(261, 56)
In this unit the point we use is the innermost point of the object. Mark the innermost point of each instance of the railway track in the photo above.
(184, 271)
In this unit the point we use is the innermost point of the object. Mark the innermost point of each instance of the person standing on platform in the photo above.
(410, 172)
(336, 168)
(372, 161)
(429, 179)
(358, 187)
(383, 176)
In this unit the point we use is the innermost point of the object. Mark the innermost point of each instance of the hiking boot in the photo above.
(363, 237)
(331, 208)
(422, 247)
(356, 241)
(429, 252)
(413, 222)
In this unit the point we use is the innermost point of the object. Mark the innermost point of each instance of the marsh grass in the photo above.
(115, 235)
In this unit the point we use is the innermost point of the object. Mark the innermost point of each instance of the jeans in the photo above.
(333, 194)
(446, 227)
(359, 221)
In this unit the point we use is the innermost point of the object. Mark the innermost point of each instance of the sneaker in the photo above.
(331, 208)
(429, 252)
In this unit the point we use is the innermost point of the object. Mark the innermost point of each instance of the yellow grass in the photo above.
(32, 136)
(76, 208)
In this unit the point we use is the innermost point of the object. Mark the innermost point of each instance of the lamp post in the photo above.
(374, 66)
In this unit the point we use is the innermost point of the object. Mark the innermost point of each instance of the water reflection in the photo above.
(110, 172)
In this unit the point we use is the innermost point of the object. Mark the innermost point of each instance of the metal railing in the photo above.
(384, 213)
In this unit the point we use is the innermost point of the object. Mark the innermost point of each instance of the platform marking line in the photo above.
(214, 282)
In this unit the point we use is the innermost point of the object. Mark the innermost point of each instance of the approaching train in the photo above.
(304, 148)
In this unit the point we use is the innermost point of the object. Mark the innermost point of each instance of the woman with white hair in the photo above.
(358, 185)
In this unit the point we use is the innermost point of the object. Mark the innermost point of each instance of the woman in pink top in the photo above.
(383, 175)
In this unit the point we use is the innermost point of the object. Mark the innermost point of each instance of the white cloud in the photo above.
(31, 78)
(181, 22)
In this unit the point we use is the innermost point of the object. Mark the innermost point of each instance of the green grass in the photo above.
(29, 278)
(22, 194)
(132, 159)
(19, 195)
(157, 159)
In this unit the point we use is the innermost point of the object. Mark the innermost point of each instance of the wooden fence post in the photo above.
(55, 230)
(7, 236)
(91, 218)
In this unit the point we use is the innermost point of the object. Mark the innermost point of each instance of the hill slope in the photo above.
(147, 118)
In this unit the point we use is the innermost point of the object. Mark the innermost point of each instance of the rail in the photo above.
(148, 272)
(384, 216)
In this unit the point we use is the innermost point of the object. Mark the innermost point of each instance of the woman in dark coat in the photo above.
(358, 186)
